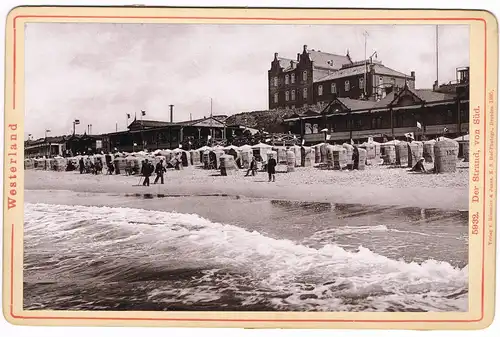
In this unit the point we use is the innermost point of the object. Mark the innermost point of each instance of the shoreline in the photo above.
(343, 187)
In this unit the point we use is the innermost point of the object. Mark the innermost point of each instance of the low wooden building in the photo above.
(424, 112)
(152, 135)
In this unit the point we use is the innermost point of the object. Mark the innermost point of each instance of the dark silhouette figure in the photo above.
(253, 167)
(81, 165)
(147, 170)
(159, 172)
(271, 168)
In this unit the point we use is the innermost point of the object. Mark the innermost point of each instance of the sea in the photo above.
(91, 251)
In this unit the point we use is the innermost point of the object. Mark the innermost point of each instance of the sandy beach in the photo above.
(377, 185)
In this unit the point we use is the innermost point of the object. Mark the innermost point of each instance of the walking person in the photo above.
(146, 171)
(271, 167)
(159, 172)
(81, 165)
(253, 167)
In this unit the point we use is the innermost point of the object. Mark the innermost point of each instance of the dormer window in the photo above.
(333, 88)
(292, 78)
(304, 75)
(286, 79)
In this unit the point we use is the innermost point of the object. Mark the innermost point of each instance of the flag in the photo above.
(409, 135)
(190, 143)
(209, 137)
(328, 137)
(128, 116)
(180, 146)
(77, 121)
(352, 142)
(303, 142)
(143, 112)
(445, 130)
(419, 125)
(370, 139)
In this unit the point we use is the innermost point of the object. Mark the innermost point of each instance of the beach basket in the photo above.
(246, 156)
(445, 156)
(339, 154)
(349, 149)
(415, 152)
(290, 161)
(227, 164)
(58, 164)
(466, 151)
(119, 163)
(281, 151)
(307, 156)
(370, 150)
(298, 154)
(195, 157)
(402, 154)
(317, 154)
(360, 163)
(389, 153)
(428, 151)
(29, 164)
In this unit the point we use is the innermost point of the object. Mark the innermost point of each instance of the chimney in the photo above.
(298, 57)
(412, 74)
(275, 56)
(305, 47)
(171, 113)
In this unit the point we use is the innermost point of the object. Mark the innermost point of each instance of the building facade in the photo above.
(427, 113)
(315, 77)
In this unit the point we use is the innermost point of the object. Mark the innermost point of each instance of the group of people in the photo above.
(147, 170)
(270, 167)
(87, 166)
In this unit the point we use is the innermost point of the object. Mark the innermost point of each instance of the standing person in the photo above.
(146, 172)
(271, 167)
(81, 165)
(159, 172)
(253, 167)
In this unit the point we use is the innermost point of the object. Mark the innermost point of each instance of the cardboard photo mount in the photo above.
(483, 132)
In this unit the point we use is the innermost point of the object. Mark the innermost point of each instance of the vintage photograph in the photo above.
(233, 167)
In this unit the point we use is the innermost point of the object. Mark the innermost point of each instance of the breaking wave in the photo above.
(185, 261)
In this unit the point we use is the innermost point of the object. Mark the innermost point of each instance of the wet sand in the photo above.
(376, 185)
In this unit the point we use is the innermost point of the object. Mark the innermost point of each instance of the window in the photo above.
(293, 95)
(304, 75)
(308, 128)
(320, 90)
(305, 93)
(381, 80)
(286, 79)
(292, 78)
(393, 81)
(361, 83)
(287, 96)
(275, 81)
(275, 98)
(347, 85)
(333, 88)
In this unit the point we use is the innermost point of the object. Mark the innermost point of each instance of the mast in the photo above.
(437, 55)
(366, 66)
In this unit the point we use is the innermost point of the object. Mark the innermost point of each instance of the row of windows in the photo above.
(291, 97)
(289, 79)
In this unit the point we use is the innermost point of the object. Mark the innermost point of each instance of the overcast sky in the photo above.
(99, 72)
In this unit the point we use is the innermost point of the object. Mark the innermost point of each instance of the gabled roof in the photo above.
(215, 121)
(380, 69)
(351, 71)
(327, 60)
(287, 64)
(356, 104)
(429, 95)
(149, 123)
